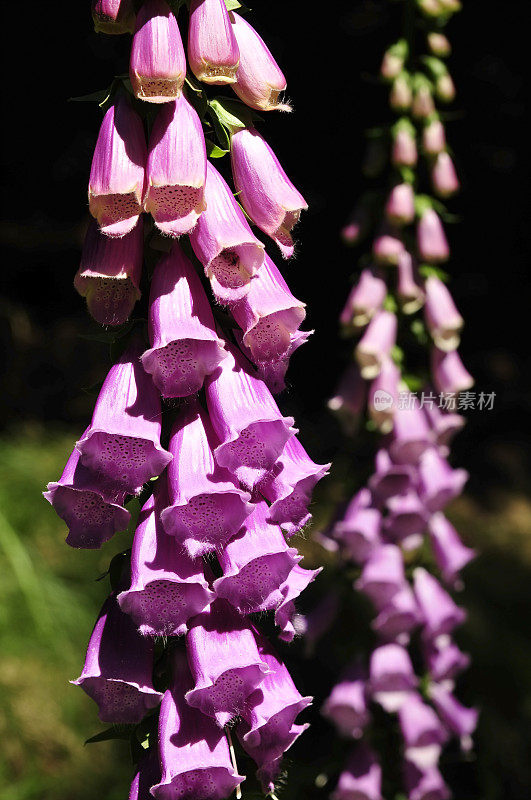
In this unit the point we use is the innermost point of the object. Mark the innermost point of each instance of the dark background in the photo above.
(329, 55)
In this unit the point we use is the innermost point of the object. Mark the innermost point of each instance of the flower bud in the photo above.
(113, 16)
(431, 8)
(401, 96)
(400, 205)
(259, 80)
(445, 88)
(439, 44)
(362, 777)
(423, 105)
(422, 732)
(212, 50)
(404, 149)
(433, 137)
(157, 67)
(387, 246)
(432, 244)
(392, 677)
(393, 60)
(443, 176)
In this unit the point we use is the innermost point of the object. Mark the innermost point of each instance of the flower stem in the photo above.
(238, 790)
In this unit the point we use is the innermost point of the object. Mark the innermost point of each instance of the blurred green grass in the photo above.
(49, 598)
(48, 602)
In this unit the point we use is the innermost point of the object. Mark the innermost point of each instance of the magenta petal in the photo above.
(296, 582)
(398, 617)
(207, 507)
(224, 661)
(365, 298)
(268, 727)
(266, 192)
(422, 731)
(383, 574)
(406, 520)
(246, 419)
(362, 777)
(147, 774)
(438, 482)
(359, 531)
(424, 784)
(289, 486)
(91, 515)
(392, 677)
(449, 374)
(450, 553)
(444, 659)
(116, 184)
(376, 344)
(411, 435)
(347, 705)
(167, 586)
(440, 613)
(259, 79)
(118, 667)
(184, 344)
(269, 315)
(212, 50)
(109, 274)
(113, 16)
(194, 752)
(389, 479)
(224, 243)
(176, 168)
(157, 67)
(460, 720)
(122, 444)
(442, 318)
(255, 564)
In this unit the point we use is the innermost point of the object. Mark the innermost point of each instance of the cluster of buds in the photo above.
(232, 482)
(408, 555)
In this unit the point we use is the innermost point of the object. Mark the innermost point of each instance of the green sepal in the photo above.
(418, 329)
(397, 355)
(429, 270)
(213, 151)
(390, 304)
(435, 66)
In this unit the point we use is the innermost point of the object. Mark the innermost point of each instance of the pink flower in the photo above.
(158, 64)
(212, 50)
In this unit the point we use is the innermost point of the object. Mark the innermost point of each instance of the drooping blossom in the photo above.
(109, 274)
(176, 168)
(184, 344)
(113, 16)
(117, 174)
(157, 67)
(213, 53)
(117, 673)
(267, 194)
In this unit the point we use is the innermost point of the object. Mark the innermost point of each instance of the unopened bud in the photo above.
(393, 60)
(439, 44)
(433, 137)
(401, 95)
(404, 150)
(423, 105)
(443, 176)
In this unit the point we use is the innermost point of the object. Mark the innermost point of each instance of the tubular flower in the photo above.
(176, 169)
(117, 174)
(449, 374)
(194, 752)
(167, 586)
(255, 564)
(118, 667)
(184, 345)
(212, 50)
(206, 506)
(246, 419)
(365, 299)
(157, 67)
(362, 776)
(122, 443)
(376, 344)
(289, 486)
(224, 661)
(347, 704)
(410, 294)
(259, 80)
(113, 16)
(266, 192)
(109, 274)
(268, 728)
(431, 240)
(92, 516)
(442, 317)
(224, 243)
(269, 315)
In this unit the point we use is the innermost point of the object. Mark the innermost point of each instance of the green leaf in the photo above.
(418, 329)
(231, 5)
(213, 151)
(413, 382)
(115, 732)
(390, 304)
(397, 354)
(99, 97)
(429, 270)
